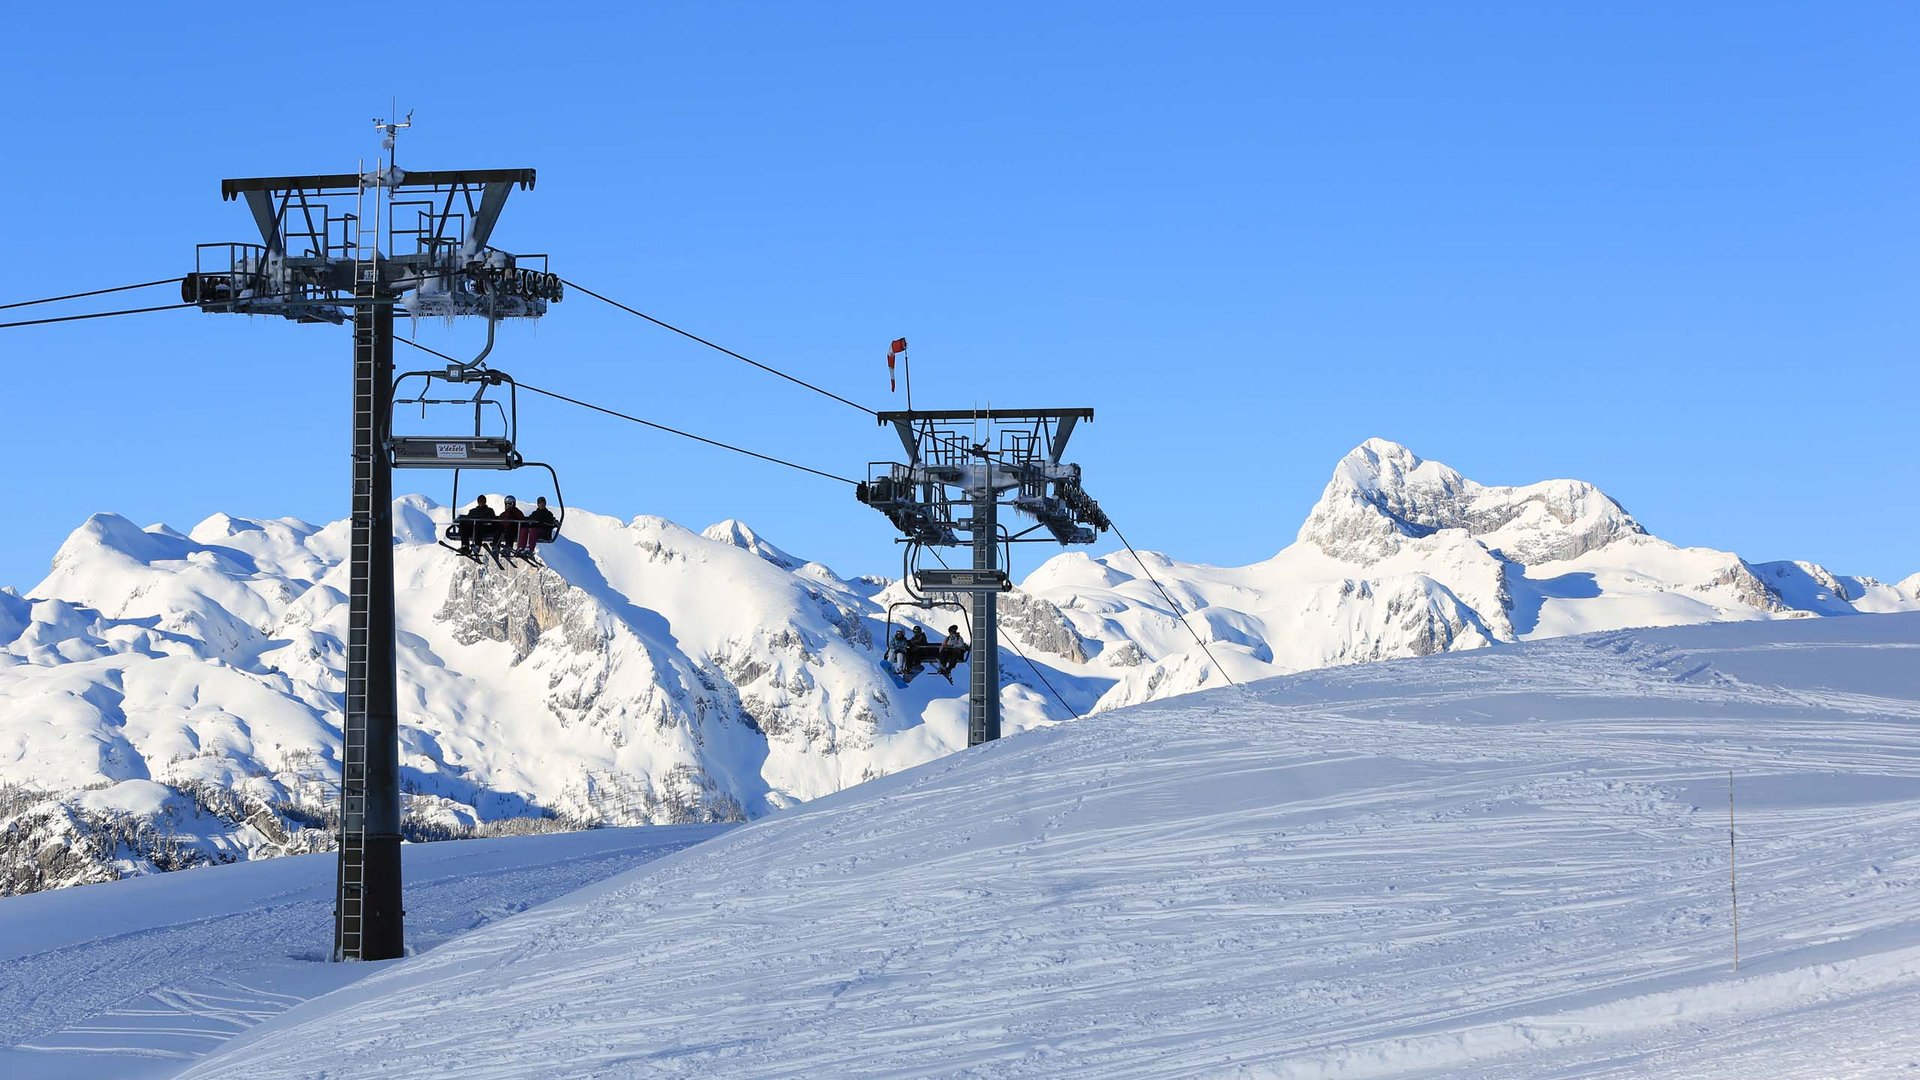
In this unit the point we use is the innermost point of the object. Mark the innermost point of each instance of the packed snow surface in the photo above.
(1511, 862)
(136, 978)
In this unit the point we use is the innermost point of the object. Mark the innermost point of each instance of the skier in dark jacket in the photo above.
(537, 529)
(476, 526)
(507, 533)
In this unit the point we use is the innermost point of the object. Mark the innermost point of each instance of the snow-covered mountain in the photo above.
(170, 698)
(1406, 557)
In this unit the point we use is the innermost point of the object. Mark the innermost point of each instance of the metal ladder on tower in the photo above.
(350, 911)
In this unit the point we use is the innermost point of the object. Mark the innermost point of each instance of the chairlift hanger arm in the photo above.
(493, 198)
(260, 205)
(1058, 445)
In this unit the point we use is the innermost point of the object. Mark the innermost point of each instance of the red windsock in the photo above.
(899, 346)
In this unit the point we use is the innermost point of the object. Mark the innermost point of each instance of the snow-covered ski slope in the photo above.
(141, 977)
(1511, 862)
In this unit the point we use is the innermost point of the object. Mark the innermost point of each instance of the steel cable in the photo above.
(94, 315)
(719, 348)
(90, 292)
(1175, 604)
(647, 423)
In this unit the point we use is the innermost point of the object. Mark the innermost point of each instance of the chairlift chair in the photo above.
(480, 448)
(455, 536)
(905, 661)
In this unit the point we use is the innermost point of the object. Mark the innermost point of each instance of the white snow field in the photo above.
(137, 977)
(1510, 862)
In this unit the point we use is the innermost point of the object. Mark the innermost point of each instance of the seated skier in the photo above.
(952, 651)
(537, 529)
(507, 531)
(897, 650)
(476, 526)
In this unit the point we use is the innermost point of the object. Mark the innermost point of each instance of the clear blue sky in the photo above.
(1667, 248)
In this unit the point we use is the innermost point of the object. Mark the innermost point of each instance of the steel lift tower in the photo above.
(361, 247)
(982, 461)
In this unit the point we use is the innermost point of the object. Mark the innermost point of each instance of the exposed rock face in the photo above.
(1041, 626)
(516, 604)
(1746, 587)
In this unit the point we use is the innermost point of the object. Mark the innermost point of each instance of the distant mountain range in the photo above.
(168, 698)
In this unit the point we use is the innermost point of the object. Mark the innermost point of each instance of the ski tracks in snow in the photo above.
(1504, 864)
(146, 1002)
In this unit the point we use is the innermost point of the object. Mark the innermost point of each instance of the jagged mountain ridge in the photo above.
(167, 698)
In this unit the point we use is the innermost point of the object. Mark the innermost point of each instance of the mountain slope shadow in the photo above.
(1531, 594)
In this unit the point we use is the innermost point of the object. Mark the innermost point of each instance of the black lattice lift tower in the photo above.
(362, 247)
(982, 461)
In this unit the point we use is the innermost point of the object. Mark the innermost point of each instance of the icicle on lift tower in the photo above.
(981, 460)
(321, 259)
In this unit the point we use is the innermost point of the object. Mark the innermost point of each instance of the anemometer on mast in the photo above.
(339, 248)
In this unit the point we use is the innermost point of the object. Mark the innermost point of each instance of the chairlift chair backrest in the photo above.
(478, 448)
(452, 452)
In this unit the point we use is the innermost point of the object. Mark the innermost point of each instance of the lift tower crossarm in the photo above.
(351, 181)
(984, 414)
(436, 258)
(907, 423)
(259, 192)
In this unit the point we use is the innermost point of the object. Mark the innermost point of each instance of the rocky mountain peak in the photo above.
(1383, 495)
(1390, 470)
(741, 535)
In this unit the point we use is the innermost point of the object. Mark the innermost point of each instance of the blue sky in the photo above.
(1667, 248)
